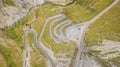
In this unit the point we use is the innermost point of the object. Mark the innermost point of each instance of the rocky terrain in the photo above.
(13, 11)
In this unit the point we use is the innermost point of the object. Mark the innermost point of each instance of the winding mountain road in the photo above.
(57, 26)
(81, 56)
(57, 39)
(60, 17)
(68, 22)
(40, 47)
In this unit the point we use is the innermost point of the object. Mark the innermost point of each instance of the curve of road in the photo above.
(40, 47)
(68, 22)
(47, 20)
(50, 56)
(57, 26)
(87, 24)
(56, 39)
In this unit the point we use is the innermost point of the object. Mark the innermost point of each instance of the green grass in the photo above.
(3, 62)
(106, 27)
(8, 2)
(116, 61)
(12, 56)
(61, 1)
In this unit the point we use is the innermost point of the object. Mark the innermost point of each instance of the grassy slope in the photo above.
(106, 27)
(3, 61)
(8, 2)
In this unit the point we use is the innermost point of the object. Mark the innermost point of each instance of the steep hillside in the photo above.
(13, 11)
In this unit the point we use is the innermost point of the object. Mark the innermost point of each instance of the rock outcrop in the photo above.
(13, 11)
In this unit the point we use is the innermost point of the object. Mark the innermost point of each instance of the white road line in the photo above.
(56, 27)
(57, 40)
(68, 22)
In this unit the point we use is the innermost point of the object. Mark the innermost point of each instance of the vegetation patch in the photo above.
(8, 2)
